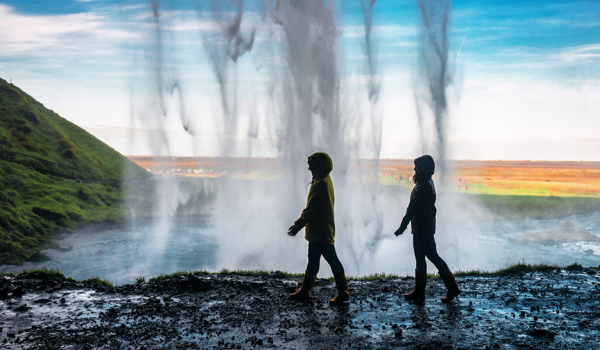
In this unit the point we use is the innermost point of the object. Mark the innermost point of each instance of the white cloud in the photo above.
(28, 34)
(579, 54)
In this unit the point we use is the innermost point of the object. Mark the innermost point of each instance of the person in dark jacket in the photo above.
(421, 216)
(318, 218)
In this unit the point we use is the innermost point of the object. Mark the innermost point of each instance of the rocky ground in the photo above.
(558, 309)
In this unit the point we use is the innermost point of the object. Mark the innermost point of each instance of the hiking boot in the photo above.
(343, 295)
(304, 292)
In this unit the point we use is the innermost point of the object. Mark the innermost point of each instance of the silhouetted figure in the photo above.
(421, 215)
(318, 217)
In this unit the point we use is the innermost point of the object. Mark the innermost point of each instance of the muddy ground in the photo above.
(558, 309)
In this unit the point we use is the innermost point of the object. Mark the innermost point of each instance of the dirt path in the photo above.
(559, 309)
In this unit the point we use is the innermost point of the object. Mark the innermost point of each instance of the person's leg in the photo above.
(430, 251)
(418, 293)
(341, 282)
(315, 250)
(419, 249)
(310, 275)
(444, 271)
(330, 255)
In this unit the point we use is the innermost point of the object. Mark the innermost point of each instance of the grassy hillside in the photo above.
(26, 126)
(33, 205)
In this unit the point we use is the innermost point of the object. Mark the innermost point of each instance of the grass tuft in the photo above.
(98, 282)
(374, 277)
(52, 274)
(168, 276)
(520, 268)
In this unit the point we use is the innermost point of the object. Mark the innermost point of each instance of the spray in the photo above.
(434, 75)
(305, 111)
(224, 46)
(156, 98)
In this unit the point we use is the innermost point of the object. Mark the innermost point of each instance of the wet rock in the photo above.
(542, 333)
(292, 287)
(196, 283)
(277, 274)
(39, 257)
(42, 301)
(17, 292)
(22, 308)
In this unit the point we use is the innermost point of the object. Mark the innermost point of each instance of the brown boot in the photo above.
(343, 295)
(304, 292)
(418, 294)
(450, 283)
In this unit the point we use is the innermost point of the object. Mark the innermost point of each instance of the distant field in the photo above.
(507, 178)
(561, 179)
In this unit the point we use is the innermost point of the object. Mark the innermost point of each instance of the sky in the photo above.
(523, 79)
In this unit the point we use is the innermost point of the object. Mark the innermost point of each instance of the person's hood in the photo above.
(321, 162)
(426, 164)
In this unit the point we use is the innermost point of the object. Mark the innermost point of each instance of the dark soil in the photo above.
(558, 309)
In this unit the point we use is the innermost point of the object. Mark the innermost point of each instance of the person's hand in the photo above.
(292, 231)
(400, 231)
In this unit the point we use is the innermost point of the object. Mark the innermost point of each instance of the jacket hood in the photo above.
(427, 164)
(321, 162)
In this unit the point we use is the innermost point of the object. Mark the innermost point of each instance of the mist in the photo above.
(302, 104)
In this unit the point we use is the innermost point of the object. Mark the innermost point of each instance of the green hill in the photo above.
(35, 203)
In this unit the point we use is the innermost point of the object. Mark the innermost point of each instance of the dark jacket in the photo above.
(421, 209)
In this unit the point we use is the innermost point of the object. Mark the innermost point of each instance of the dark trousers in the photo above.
(315, 250)
(424, 246)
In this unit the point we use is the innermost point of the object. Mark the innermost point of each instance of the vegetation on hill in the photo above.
(27, 127)
(33, 205)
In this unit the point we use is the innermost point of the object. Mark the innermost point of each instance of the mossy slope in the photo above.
(33, 205)
(27, 127)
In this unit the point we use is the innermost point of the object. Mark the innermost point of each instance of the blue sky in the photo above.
(525, 82)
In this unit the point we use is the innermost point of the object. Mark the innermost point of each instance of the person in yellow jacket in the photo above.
(318, 218)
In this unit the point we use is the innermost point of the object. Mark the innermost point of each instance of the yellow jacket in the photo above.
(318, 215)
